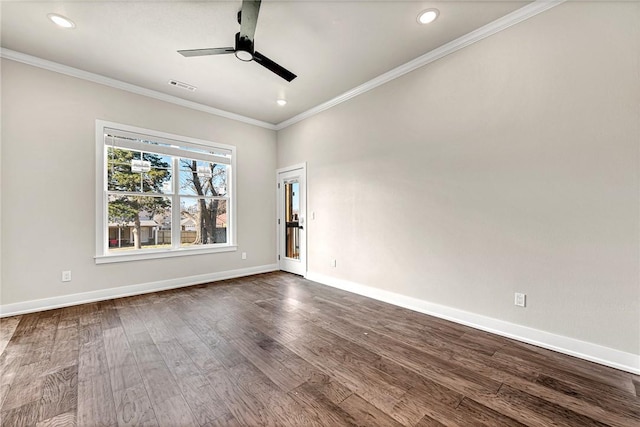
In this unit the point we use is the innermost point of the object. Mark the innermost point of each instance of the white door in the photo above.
(292, 210)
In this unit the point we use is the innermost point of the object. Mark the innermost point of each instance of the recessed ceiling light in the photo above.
(61, 20)
(282, 102)
(428, 16)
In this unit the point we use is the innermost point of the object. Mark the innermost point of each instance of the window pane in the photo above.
(200, 178)
(158, 178)
(129, 170)
(139, 222)
(120, 177)
(122, 155)
(202, 221)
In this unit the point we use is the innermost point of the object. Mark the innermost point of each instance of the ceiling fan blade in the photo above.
(272, 66)
(249, 18)
(205, 52)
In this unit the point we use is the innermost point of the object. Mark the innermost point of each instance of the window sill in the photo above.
(139, 256)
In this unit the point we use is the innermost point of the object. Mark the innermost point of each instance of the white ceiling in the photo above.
(333, 46)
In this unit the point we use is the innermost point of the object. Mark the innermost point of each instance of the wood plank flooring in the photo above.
(277, 350)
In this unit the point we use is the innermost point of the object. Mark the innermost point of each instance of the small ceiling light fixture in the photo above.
(61, 21)
(428, 16)
(282, 102)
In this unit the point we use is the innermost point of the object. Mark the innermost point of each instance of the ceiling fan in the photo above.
(244, 48)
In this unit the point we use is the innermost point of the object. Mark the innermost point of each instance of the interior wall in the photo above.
(509, 166)
(48, 185)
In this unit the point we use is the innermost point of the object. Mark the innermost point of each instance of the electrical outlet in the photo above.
(66, 276)
(333, 263)
(313, 215)
(520, 300)
(244, 255)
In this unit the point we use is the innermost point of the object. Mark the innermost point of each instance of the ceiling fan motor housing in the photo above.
(244, 48)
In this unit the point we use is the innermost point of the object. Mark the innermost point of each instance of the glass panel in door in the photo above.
(292, 218)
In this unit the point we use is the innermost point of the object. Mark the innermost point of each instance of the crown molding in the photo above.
(117, 84)
(500, 24)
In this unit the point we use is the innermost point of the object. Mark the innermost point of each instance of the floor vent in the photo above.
(182, 85)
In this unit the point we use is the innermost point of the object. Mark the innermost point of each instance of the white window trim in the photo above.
(102, 255)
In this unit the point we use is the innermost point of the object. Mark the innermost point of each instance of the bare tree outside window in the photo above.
(201, 185)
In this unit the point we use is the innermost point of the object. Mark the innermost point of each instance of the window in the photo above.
(161, 195)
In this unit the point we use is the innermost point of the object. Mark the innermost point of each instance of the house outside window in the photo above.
(161, 195)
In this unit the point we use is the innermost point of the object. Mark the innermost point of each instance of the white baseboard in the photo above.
(126, 291)
(628, 362)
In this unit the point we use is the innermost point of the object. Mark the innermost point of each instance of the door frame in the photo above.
(303, 208)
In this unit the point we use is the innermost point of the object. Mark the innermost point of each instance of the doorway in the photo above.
(292, 210)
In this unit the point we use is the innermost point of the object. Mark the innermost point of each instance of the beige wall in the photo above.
(48, 184)
(509, 166)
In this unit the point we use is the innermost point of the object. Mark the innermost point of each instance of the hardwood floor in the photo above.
(275, 349)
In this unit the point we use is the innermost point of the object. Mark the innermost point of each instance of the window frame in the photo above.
(102, 254)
